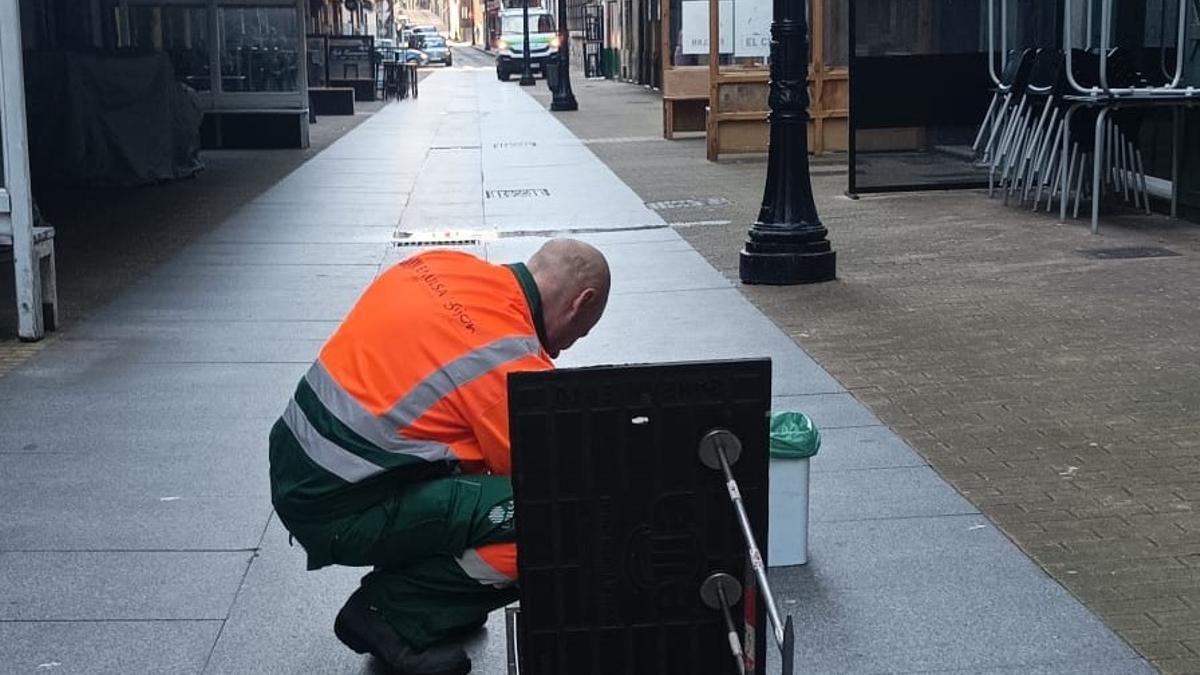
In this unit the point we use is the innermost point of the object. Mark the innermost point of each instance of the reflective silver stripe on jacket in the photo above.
(374, 429)
(475, 567)
(325, 453)
(386, 431)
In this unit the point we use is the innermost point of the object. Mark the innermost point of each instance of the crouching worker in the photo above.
(394, 451)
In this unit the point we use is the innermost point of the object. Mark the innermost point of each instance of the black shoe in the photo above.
(361, 627)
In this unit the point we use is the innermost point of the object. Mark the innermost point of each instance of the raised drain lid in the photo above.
(1128, 252)
(430, 238)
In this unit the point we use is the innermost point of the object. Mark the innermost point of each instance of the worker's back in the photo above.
(411, 386)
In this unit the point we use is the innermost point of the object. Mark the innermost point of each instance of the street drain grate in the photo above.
(1128, 252)
(506, 145)
(516, 194)
(443, 238)
(687, 203)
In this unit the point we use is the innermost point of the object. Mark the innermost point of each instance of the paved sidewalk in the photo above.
(138, 534)
(1056, 392)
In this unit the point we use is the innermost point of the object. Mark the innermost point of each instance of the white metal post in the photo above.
(16, 174)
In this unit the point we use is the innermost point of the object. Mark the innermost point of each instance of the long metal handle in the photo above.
(756, 562)
(735, 643)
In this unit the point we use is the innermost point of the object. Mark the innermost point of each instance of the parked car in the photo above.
(543, 42)
(411, 55)
(421, 31)
(437, 49)
(404, 54)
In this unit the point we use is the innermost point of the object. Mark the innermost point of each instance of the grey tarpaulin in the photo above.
(109, 120)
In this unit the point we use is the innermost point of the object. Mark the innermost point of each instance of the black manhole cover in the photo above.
(515, 194)
(1128, 252)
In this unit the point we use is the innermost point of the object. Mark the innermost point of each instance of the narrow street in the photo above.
(159, 551)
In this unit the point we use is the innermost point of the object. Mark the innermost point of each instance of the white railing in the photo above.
(16, 216)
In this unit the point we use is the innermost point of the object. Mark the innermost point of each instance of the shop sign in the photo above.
(752, 28)
(694, 29)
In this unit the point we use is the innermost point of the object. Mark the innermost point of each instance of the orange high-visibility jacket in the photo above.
(412, 385)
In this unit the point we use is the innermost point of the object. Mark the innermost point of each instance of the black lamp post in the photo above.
(564, 98)
(788, 244)
(526, 75)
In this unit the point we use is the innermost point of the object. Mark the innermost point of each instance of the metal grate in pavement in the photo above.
(687, 203)
(443, 237)
(1128, 252)
(516, 194)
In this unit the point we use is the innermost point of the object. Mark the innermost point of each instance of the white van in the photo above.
(510, 48)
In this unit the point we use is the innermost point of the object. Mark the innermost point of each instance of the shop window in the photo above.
(181, 32)
(837, 35)
(259, 49)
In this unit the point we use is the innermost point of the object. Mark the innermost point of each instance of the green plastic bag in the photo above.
(793, 436)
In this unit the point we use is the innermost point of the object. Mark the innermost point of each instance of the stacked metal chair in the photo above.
(1007, 100)
(1024, 152)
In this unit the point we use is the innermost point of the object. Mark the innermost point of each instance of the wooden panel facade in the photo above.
(732, 99)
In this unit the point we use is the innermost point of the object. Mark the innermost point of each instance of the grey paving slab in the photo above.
(266, 254)
(154, 459)
(330, 179)
(252, 276)
(146, 585)
(118, 520)
(282, 621)
(286, 215)
(129, 397)
(139, 467)
(853, 448)
(647, 328)
(151, 342)
(934, 595)
(901, 492)
(829, 411)
(326, 302)
(383, 200)
(311, 228)
(101, 647)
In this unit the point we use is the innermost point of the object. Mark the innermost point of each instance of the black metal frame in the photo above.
(853, 127)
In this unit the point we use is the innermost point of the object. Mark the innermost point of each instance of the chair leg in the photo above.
(1083, 162)
(1053, 168)
(1131, 174)
(49, 283)
(1142, 176)
(1040, 167)
(983, 127)
(1072, 166)
(997, 126)
(1059, 166)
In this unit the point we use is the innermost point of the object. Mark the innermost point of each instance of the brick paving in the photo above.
(1059, 393)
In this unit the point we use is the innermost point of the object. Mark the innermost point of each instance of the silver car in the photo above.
(437, 49)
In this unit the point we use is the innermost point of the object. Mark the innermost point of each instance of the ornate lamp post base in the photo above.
(788, 244)
(561, 101)
(784, 257)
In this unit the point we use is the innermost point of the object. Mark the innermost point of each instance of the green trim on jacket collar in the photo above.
(533, 297)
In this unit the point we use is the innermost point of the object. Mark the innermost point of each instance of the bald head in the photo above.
(573, 280)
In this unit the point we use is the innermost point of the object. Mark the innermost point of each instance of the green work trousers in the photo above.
(416, 540)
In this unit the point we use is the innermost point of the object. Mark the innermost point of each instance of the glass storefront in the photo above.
(260, 49)
(216, 46)
(180, 32)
